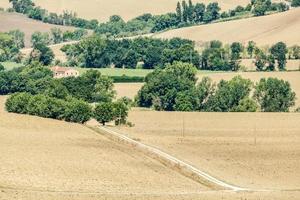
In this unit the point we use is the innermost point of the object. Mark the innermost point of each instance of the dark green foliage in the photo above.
(1, 67)
(41, 53)
(18, 38)
(8, 47)
(228, 95)
(251, 48)
(246, 105)
(295, 3)
(120, 111)
(22, 6)
(104, 112)
(235, 56)
(163, 86)
(17, 103)
(127, 79)
(274, 95)
(98, 52)
(279, 51)
(77, 111)
(71, 110)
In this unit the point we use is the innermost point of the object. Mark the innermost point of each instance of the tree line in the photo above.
(186, 14)
(150, 53)
(175, 88)
(35, 92)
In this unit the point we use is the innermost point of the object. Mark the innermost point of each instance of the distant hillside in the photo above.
(128, 9)
(264, 30)
(13, 21)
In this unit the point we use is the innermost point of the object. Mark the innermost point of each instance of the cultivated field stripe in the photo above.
(181, 166)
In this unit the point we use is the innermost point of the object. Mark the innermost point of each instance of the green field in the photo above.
(10, 65)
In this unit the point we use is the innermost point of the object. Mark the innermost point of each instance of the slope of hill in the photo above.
(264, 30)
(13, 21)
(50, 156)
(128, 9)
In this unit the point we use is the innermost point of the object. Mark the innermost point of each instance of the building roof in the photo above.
(61, 69)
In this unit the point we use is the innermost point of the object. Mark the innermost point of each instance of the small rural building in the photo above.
(63, 72)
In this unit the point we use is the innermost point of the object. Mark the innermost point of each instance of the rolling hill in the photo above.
(264, 30)
(13, 21)
(128, 9)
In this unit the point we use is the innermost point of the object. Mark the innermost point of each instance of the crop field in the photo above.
(253, 150)
(13, 21)
(265, 30)
(131, 89)
(49, 157)
(102, 9)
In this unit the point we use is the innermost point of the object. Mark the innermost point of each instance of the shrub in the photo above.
(17, 103)
(77, 111)
(246, 105)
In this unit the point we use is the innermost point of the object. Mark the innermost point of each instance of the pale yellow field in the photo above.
(13, 21)
(252, 150)
(45, 156)
(265, 30)
(128, 9)
(131, 89)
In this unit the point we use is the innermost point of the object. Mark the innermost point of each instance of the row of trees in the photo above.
(175, 88)
(28, 8)
(152, 53)
(70, 109)
(98, 52)
(37, 93)
(186, 13)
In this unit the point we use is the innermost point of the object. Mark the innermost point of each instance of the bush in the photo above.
(104, 112)
(246, 105)
(274, 95)
(17, 103)
(127, 79)
(77, 111)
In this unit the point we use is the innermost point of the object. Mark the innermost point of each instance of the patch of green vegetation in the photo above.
(118, 71)
(11, 65)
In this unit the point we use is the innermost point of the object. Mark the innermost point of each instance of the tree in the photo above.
(17, 103)
(235, 58)
(42, 54)
(104, 112)
(199, 12)
(212, 12)
(246, 105)
(179, 12)
(295, 3)
(260, 7)
(186, 101)
(228, 95)
(295, 51)
(120, 112)
(77, 111)
(39, 38)
(274, 95)
(204, 89)
(18, 38)
(22, 6)
(190, 11)
(250, 48)
(57, 35)
(279, 51)
(185, 11)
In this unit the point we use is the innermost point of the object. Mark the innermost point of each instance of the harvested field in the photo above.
(13, 21)
(102, 9)
(254, 150)
(265, 30)
(131, 89)
(44, 156)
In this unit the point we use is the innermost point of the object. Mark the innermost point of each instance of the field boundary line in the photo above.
(170, 161)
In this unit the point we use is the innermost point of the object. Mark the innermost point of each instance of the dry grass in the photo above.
(102, 9)
(131, 89)
(264, 30)
(13, 21)
(44, 155)
(254, 150)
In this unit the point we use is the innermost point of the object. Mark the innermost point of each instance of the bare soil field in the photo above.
(13, 21)
(131, 89)
(102, 9)
(252, 150)
(265, 30)
(44, 156)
